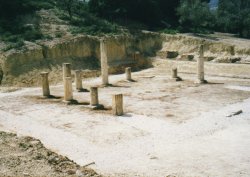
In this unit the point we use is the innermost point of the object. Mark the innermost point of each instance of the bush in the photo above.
(32, 35)
(170, 31)
(17, 45)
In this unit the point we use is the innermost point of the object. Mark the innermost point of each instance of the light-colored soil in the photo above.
(169, 128)
(228, 39)
(26, 156)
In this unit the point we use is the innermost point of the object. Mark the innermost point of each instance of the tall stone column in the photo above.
(104, 63)
(200, 66)
(45, 84)
(78, 80)
(94, 96)
(68, 93)
(117, 105)
(66, 70)
(128, 74)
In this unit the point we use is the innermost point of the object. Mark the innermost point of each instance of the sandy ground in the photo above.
(169, 128)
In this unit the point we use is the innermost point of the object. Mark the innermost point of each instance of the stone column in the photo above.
(200, 66)
(175, 76)
(68, 94)
(128, 74)
(174, 73)
(94, 96)
(136, 56)
(66, 70)
(45, 84)
(117, 105)
(78, 80)
(104, 63)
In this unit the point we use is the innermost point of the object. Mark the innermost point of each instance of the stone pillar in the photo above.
(104, 63)
(117, 105)
(94, 96)
(128, 74)
(78, 80)
(68, 94)
(175, 76)
(45, 84)
(200, 66)
(136, 56)
(66, 70)
(174, 73)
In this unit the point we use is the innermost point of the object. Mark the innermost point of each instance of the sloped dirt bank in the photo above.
(26, 156)
(23, 67)
(219, 48)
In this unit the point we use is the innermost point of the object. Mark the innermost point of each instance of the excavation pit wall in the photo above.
(23, 67)
(216, 50)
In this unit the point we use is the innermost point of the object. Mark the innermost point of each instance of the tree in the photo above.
(68, 5)
(149, 12)
(195, 15)
(169, 10)
(11, 10)
(234, 16)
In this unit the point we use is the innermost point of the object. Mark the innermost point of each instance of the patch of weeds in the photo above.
(48, 37)
(59, 34)
(169, 31)
(24, 146)
(39, 156)
(32, 35)
(86, 23)
(18, 45)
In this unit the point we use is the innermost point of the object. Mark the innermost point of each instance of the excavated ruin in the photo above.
(22, 67)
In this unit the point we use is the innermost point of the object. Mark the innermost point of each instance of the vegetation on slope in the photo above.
(19, 20)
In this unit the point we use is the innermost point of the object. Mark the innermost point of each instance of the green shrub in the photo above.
(59, 34)
(32, 35)
(17, 45)
(170, 31)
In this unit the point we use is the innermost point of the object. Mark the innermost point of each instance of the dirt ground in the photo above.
(169, 128)
(26, 156)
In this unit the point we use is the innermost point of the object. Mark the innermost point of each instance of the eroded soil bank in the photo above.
(26, 156)
(23, 67)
